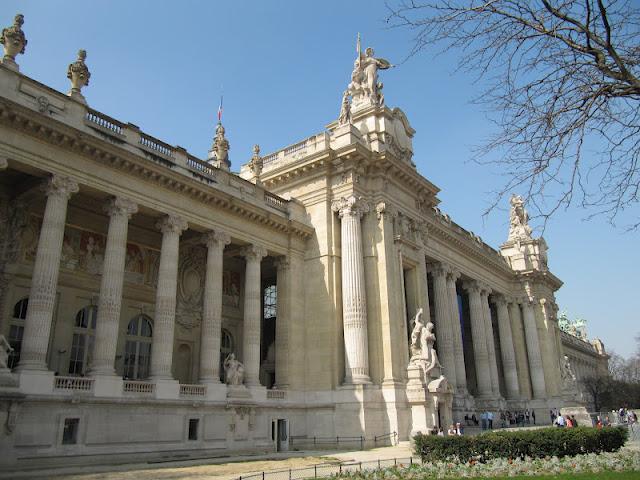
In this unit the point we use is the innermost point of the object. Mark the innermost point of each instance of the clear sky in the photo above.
(283, 66)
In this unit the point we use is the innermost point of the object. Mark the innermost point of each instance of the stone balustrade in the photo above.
(73, 384)
(138, 387)
(193, 390)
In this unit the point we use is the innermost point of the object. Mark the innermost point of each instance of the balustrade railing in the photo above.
(193, 390)
(156, 145)
(202, 167)
(82, 384)
(275, 201)
(277, 394)
(137, 386)
(104, 121)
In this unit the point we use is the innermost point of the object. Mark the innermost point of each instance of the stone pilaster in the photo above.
(507, 350)
(491, 348)
(354, 303)
(283, 320)
(444, 334)
(478, 326)
(533, 351)
(108, 322)
(44, 281)
(456, 330)
(252, 314)
(212, 307)
(171, 227)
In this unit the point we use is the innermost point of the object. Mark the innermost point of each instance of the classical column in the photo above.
(444, 334)
(507, 350)
(354, 302)
(478, 326)
(107, 324)
(252, 314)
(283, 320)
(456, 330)
(533, 351)
(44, 283)
(524, 379)
(171, 227)
(491, 348)
(212, 307)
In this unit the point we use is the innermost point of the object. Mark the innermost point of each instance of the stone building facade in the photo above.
(130, 270)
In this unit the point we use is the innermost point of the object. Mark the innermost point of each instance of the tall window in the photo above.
(269, 299)
(137, 350)
(16, 330)
(226, 347)
(83, 338)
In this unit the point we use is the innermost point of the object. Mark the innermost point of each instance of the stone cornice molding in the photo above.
(120, 206)
(216, 239)
(353, 205)
(253, 252)
(172, 224)
(60, 185)
(107, 151)
(4, 164)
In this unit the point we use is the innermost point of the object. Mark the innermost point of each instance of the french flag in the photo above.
(220, 110)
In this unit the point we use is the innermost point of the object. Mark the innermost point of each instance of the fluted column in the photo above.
(354, 302)
(212, 307)
(252, 314)
(283, 320)
(456, 331)
(444, 334)
(507, 350)
(533, 351)
(44, 281)
(522, 362)
(478, 326)
(109, 305)
(491, 347)
(171, 227)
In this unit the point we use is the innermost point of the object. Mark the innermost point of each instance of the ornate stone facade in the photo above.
(143, 282)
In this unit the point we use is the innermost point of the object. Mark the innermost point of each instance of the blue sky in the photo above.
(283, 66)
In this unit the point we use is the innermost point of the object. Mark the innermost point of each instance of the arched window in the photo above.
(226, 347)
(137, 350)
(16, 330)
(83, 338)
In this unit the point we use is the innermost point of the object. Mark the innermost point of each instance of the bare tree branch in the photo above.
(563, 91)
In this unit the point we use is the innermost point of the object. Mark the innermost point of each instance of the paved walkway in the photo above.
(226, 468)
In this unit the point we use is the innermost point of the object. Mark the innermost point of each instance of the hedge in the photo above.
(539, 443)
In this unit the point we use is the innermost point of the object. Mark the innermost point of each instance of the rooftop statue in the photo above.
(219, 153)
(345, 110)
(79, 75)
(13, 41)
(519, 228)
(365, 90)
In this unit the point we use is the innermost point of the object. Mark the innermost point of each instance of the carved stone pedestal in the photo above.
(7, 379)
(238, 391)
(167, 388)
(107, 386)
(431, 404)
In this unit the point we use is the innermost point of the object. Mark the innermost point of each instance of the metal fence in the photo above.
(328, 469)
(361, 442)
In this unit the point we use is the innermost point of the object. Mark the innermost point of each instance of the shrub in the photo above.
(539, 443)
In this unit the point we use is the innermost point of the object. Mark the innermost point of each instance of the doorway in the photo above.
(280, 434)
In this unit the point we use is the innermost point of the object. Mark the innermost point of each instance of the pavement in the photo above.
(227, 468)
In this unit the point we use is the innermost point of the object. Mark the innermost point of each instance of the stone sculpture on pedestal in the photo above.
(234, 370)
(219, 153)
(519, 228)
(14, 42)
(345, 110)
(365, 90)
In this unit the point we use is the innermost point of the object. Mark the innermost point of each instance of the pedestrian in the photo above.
(459, 429)
(552, 414)
(560, 421)
(533, 416)
(574, 421)
(490, 419)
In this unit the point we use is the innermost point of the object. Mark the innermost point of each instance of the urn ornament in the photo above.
(13, 42)
(79, 75)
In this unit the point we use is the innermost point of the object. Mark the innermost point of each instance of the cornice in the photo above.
(149, 167)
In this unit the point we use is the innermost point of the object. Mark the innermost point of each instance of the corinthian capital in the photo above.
(172, 224)
(216, 238)
(282, 263)
(254, 252)
(120, 206)
(352, 205)
(471, 286)
(60, 185)
(438, 269)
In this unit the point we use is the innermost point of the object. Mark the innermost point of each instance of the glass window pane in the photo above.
(132, 328)
(146, 329)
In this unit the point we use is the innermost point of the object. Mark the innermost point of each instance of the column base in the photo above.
(358, 380)
(36, 381)
(166, 388)
(107, 385)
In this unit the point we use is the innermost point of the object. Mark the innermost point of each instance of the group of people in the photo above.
(506, 417)
(568, 421)
(454, 429)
